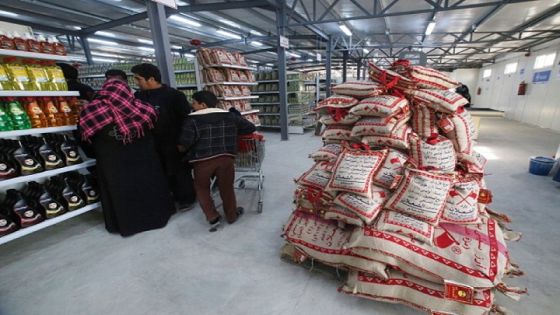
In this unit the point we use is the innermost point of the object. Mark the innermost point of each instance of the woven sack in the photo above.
(433, 298)
(336, 101)
(365, 208)
(339, 119)
(473, 255)
(329, 153)
(397, 139)
(213, 75)
(435, 153)
(377, 126)
(427, 78)
(421, 195)
(358, 89)
(424, 121)
(324, 240)
(392, 169)
(337, 132)
(312, 199)
(388, 78)
(380, 106)
(391, 221)
(461, 206)
(443, 101)
(239, 59)
(354, 171)
(220, 56)
(336, 212)
(460, 128)
(317, 176)
(474, 162)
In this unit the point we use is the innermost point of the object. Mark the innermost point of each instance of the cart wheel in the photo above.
(259, 207)
(241, 184)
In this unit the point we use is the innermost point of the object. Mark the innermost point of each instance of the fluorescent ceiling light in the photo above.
(176, 47)
(252, 61)
(6, 13)
(183, 20)
(430, 27)
(228, 34)
(366, 51)
(345, 29)
(76, 27)
(256, 44)
(179, 2)
(104, 42)
(145, 41)
(272, 53)
(309, 60)
(256, 33)
(228, 22)
(104, 60)
(146, 48)
(294, 55)
(102, 54)
(189, 55)
(103, 33)
(270, 65)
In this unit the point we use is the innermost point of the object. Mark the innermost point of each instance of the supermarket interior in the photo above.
(279, 157)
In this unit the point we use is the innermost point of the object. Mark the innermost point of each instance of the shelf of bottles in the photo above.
(228, 76)
(185, 74)
(42, 169)
(299, 101)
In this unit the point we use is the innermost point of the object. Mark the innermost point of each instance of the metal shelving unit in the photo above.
(50, 222)
(45, 174)
(38, 93)
(34, 131)
(33, 55)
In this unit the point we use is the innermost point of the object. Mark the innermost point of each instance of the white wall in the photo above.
(541, 104)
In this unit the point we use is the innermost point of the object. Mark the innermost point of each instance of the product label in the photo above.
(3, 222)
(28, 213)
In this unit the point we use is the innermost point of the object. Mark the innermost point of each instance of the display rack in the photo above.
(50, 222)
(222, 87)
(32, 55)
(299, 102)
(14, 182)
(38, 93)
(186, 76)
(34, 131)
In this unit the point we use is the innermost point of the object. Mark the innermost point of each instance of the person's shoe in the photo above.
(215, 224)
(240, 212)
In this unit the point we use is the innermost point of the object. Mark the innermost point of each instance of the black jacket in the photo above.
(172, 107)
(212, 132)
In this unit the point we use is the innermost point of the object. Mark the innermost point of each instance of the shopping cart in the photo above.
(248, 163)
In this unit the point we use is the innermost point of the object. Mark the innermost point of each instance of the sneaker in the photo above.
(240, 212)
(214, 225)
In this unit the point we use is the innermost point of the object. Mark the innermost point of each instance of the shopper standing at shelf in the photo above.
(209, 135)
(116, 74)
(173, 107)
(71, 75)
(134, 192)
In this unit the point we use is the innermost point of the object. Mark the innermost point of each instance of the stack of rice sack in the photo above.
(397, 197)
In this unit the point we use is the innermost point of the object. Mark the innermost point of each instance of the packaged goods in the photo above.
(381, 106)
(367, 209)
(397, 139)
(358, 89)
(35, 113)
(6, 41)
(435, 153)
(18, 117)
(5, 82)
(18, 75)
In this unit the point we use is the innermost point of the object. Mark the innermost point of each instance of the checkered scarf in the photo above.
(116, 104)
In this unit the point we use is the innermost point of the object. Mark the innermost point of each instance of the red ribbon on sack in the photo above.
(338, 114)
(460, 110)
(433, 139)
(360, 146)
(383, 79)
(314, 195)
(401, 62)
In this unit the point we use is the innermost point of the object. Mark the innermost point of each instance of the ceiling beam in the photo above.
(385, 11)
